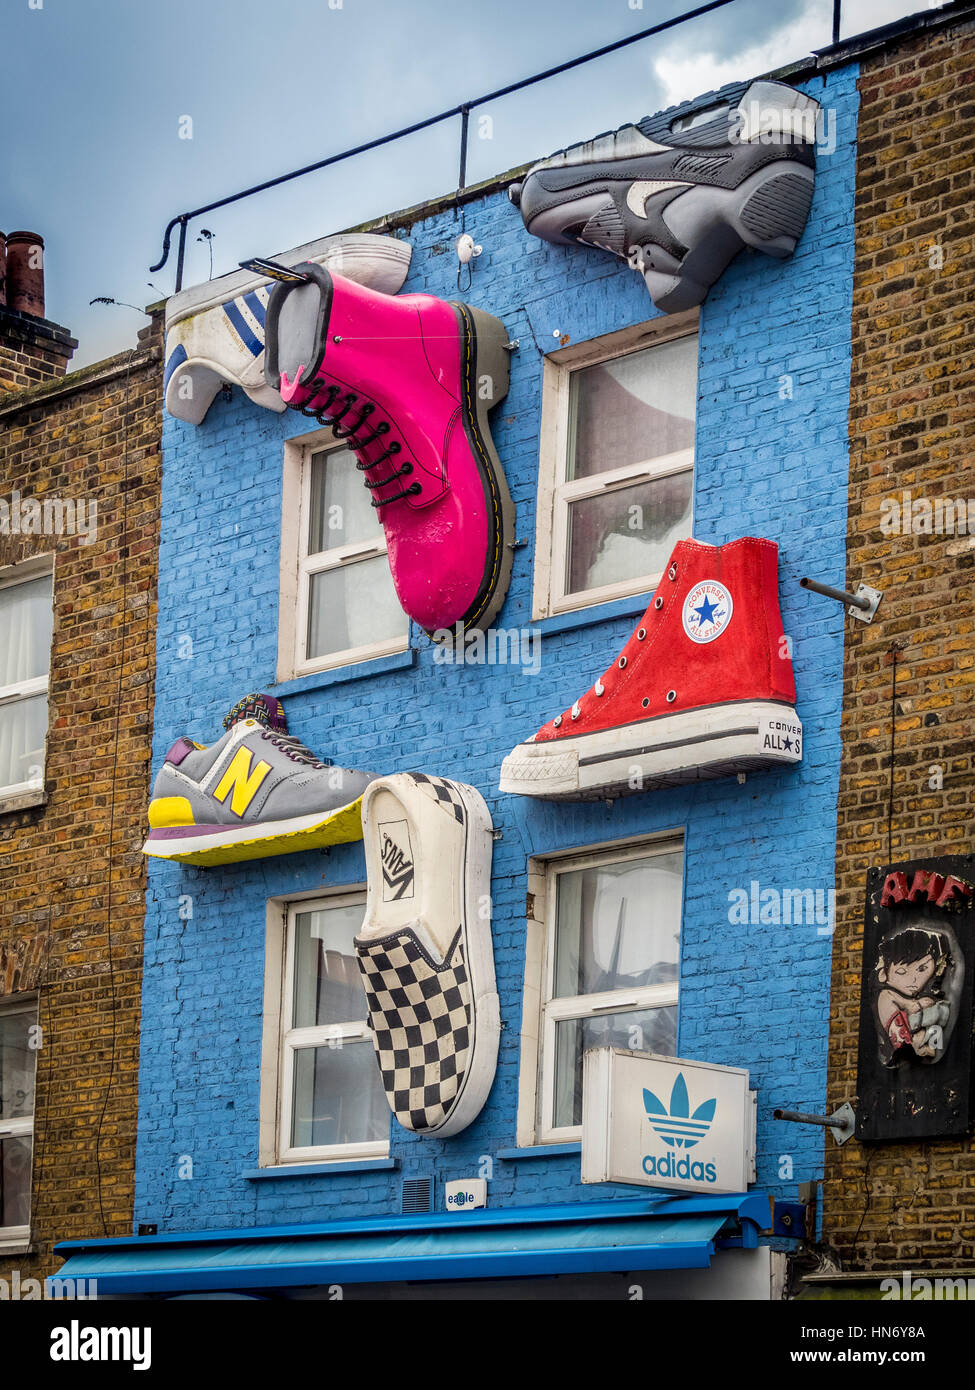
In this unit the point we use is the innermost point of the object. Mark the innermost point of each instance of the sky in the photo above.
(118, 114)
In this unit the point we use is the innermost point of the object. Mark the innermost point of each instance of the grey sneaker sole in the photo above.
(767, 211)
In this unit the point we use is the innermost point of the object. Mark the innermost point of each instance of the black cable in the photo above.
(523, 308)
(869, 1191)
(893, 730)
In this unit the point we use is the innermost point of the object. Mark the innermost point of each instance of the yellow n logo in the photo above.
(241, 781)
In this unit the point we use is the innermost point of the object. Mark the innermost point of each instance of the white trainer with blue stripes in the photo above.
(215, 331)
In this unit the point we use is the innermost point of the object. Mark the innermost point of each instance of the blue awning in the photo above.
(514, 1242)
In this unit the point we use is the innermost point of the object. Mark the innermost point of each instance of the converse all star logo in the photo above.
(397, 856)
(707, 611)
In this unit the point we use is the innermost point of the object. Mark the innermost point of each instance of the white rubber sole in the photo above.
(232, 844)
(698, 744)
(479, 953)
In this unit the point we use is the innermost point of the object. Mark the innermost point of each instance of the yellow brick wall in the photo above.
(72, 880)
(912, 407)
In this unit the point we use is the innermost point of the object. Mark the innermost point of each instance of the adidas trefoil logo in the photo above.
(677, 1127)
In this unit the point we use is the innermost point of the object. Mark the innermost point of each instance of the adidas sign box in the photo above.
(666, 1122)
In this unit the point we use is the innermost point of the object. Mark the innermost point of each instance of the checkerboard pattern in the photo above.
(420, 1015)
(444, 792)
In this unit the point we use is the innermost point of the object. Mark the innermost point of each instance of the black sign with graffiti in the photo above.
(914, 1075)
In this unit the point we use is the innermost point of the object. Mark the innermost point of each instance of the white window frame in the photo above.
(281, 1041)
(22, 573)
(15, 1237)
(555, 493)
(541, 1012)
(297, 566)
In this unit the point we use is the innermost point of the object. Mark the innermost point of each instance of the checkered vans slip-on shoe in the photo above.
(420, 1014)
(425, 949)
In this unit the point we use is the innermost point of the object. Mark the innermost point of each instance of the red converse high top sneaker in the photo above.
(703, 688)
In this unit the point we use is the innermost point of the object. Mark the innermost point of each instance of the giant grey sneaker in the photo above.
(679, 213)
(255, 792)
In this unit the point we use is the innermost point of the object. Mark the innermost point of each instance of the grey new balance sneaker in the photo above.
(255, 792)
(679, 213)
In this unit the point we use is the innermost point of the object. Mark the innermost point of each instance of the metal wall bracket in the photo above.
(841, 1121)
(872, 597)
(862, 605)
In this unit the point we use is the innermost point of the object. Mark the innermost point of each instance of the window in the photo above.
(606, 960)
(616, 469)
(332, 1102)
(340, 605)
(26, 624)
(18, 1055)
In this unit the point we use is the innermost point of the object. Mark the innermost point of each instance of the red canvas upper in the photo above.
(744, 660)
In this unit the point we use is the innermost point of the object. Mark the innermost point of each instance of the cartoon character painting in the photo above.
(914, 969)
(914, 1060)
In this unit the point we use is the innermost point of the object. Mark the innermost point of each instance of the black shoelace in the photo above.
(325, 415)
(295, 750)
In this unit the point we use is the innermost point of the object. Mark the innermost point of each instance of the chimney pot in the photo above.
(25, 273)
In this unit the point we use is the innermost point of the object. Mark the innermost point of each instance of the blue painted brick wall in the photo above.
(754, 997)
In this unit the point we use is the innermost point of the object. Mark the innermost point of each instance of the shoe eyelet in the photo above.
(672, 573)
(658, 602)
(641, 634)
(406, 468)
(599, 688)
(645, 702)
(575, 715)
(671, 696)
(622, 662)
(557, 721)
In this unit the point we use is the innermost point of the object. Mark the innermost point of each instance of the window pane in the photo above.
(618, 925)
(352, 606)
(338, 1096)
(26, 621)
(23, 729)
(633, 409)
(341, 510)
(15, 1181)
(628, 532)
(327, 981)
(646, 1030)
(16, 1065)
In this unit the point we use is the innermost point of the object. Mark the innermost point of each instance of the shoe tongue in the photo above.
(264, 708)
